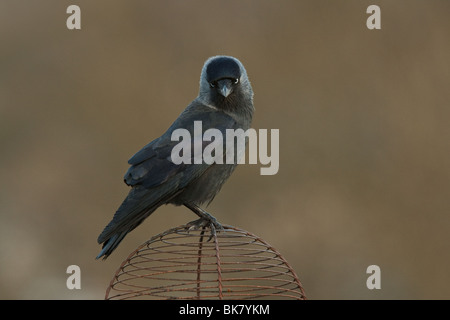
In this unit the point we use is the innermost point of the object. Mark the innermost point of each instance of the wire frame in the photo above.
(188, 264)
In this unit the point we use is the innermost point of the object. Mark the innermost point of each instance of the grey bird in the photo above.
(225, 101)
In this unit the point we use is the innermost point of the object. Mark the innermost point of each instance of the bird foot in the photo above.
(204, 222)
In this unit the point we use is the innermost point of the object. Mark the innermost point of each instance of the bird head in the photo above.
(224, 84)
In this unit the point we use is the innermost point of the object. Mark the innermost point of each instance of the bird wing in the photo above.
(152, 165)
(155, 178)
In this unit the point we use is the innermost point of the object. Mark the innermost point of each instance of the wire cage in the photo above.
(194, 264)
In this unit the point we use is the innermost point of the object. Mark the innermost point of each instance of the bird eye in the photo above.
(236, 81)
(212, 84)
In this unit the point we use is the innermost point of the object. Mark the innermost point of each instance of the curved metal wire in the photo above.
(182, 264)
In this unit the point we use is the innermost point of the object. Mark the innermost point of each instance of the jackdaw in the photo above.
(225, 101)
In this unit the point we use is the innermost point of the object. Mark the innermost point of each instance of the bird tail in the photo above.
(137, 206)
(111, 244)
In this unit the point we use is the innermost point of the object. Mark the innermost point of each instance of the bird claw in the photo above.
(210, 222)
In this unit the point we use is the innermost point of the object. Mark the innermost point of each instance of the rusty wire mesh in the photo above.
(183, 264)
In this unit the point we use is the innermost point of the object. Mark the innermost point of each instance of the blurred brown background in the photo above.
(364, 136)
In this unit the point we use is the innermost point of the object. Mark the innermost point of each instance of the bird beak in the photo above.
(225, 87)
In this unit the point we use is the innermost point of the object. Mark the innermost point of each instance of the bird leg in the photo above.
(205, 220)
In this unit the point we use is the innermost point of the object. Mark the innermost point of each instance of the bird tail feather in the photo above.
(138, 205)
(111, 244)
